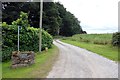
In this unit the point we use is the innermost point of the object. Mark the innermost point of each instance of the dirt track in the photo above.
(75, 62)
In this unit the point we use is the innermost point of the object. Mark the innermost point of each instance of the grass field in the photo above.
(98, 43)
(92, 38)
(0, 70)
(43, 64)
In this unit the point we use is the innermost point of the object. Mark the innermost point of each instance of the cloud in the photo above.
(95, 14)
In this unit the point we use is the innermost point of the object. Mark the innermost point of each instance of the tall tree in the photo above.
(11, 11)
(70, 24)
(56, 19)
(51, 18)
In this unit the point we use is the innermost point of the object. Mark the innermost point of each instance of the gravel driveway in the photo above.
(75, 62)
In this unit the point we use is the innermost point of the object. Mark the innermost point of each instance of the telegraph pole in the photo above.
(40, 32)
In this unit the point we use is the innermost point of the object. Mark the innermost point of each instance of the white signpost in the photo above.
(18, 38)
(19, 28)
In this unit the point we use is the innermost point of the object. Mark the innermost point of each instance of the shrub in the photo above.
(116, 39)
(29, 37)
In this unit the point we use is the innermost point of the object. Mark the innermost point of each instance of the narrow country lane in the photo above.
(75, 62)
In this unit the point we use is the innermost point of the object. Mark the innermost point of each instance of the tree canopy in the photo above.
(56, 19)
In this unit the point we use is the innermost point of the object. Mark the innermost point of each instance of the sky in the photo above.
(96, 16)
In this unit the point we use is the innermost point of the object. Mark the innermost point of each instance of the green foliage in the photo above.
(70, 24)
(46, 40)
(29, 37)
(56, 19)
(51, 18)
(11, 12)
(116, 39)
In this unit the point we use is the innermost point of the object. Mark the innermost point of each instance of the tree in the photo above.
(11, 11)
(70, 25)
(51, 18)
(56, 19)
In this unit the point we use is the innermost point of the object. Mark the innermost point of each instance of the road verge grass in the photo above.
(43, 64)
(0, 70)
(107, 51)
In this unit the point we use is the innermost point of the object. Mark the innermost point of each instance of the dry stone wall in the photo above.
(20, 59)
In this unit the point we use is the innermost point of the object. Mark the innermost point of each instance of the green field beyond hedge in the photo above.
(93, 38)
(98, 43)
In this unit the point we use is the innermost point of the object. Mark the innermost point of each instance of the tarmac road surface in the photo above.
(75, 62)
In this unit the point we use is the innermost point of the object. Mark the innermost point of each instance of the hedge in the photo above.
(116, 39)
(29, 37)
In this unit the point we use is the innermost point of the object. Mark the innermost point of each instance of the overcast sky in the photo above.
(96, 16)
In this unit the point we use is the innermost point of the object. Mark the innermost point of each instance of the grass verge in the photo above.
(107, 51)
(0, 70)
(43, 64)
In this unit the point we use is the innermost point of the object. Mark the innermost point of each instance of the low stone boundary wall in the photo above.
(20, 59)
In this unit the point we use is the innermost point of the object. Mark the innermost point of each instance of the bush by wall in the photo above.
(116, 39)
(29, 37)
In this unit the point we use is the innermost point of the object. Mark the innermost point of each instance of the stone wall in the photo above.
(20, 59)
